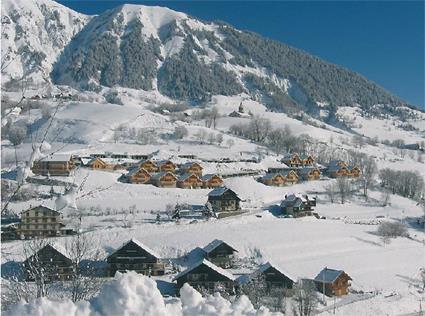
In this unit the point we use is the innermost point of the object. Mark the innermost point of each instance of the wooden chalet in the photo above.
(192, 167)
(354, 171)
(134, 256)
(307, 160)
(54, 165)
(309, 173)
(291, 177)
(211, 181)
(273, 179)
(166, 165)
(164, 180)
(138, 175)
(189, 181)
(55, 264)
(97, 163)
(273, 276)
(292, 160)
(41, 221)
(206, 275)
(223, 199)
(297, 205)
(220, 253)
(337, 169)
(149, 165)
(332, 282)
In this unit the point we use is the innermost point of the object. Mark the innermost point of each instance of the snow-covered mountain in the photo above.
(154, 48)
(34, 33)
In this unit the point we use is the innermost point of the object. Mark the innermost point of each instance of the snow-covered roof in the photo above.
(214, 244)
(185, 176)
(269, 176)
(189, 164)
(207, 177)
(159, 175)
(134, 170)
(306, 170)
(138, 243)
(285, 173)
(57, 157)
(219, 191)
(289, 156)
(262, 268)
(164, 161)
(328, 275)
(209, 265)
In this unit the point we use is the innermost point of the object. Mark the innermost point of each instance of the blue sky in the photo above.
(382, 40)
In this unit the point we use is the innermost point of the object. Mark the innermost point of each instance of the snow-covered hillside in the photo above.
(34, 33)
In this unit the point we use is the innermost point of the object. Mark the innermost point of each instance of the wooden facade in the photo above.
(54, 165)
(55, 264)
(220, 253)
(134, 256)
(138, 175)
(211, 181)
(224, 200)
(273, 179)
(40, 221)
(192, 167)
(332, 282)
(164, 180)
(206, 275)
(354, 171)
(149, 165)
(189, 181)
(310, 173)
(166, 165)
(307, 161)
(292, 160)
(291, 177)
(297, 205)
(98, 163)
(338, 171)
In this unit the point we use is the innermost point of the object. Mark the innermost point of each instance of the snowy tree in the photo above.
(17, 134)
(305, 298)
(259, 128)
(343, 187)
(219, 138)
(180, 132)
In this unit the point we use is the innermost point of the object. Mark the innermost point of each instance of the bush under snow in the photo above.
(134, 294)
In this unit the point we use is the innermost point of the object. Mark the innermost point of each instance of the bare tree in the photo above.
(343, 187)
(368, 169)
(214, 116)
(86, 280)
(259, 128)
(180, 132)
(305, 298)
(255, 289)
(17, 134)
(330, 191)
(219, 138)
(392, 229)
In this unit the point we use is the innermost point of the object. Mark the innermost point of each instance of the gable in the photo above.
(132, 250)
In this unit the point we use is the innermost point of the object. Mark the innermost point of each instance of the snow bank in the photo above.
(134, 294)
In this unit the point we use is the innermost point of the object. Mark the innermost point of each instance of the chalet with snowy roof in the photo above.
(54, 262)
(223, 199)
(149, 165)
(292, 160)
(354, 171)
(192, 167)
(220, 253)
(41, 221)
(297, 205)
(97, 163)
(307, 160)
(54, 165)
(189, 181)
(134, 256)
(206, 275)
(332, 282)
(274, 277)
(138, 175)
(166, 165)
(273, 179)
(211, 181)
(164, 180)
(291, 177)
(309, 173)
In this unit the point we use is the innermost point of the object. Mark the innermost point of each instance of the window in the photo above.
(36, 213)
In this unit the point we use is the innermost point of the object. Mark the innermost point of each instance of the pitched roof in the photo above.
(134, 170)
(159, 175)
(328, 275)
(164, 161)
(285, 173)
(209, 265)
(189, 164)
(214, 244)
(42, 207)
(209, 176)
(306, 170)
(269, 176)
(185, 176)
(220, 191)
(262, 268)
(290, 156)
(139, 244)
